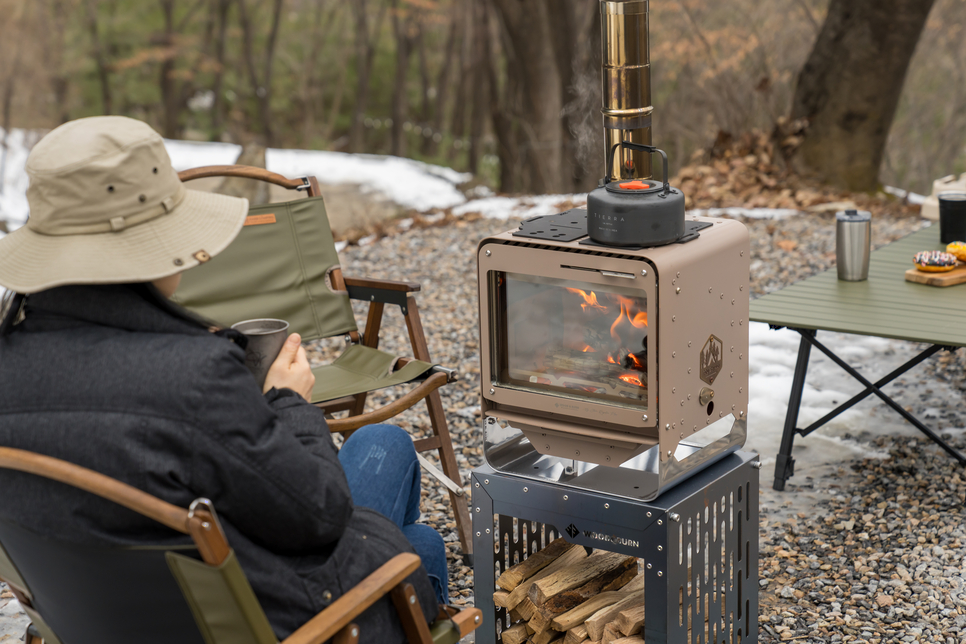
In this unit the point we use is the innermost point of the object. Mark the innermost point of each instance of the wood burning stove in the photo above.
(614, 340)
(598, 358)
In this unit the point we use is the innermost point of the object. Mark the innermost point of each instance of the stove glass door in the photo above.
(575, 339)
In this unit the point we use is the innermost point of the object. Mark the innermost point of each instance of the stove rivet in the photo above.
(668, 426)
(548, 447)
(659, 522)
(477, 485)
(488, 253)
(721, 297)
(742, 253)
(741, 389)
(648, 515)
(682, 433)
(674, 516)
(732, 323)
(732, 374)
(732, 302)
(674, 354)
(741, 356)
(643, 272)
(660, 548)
(732, 408)
(674, 318)
(372, 298)
(689, 371)
(709, 290)
(679, 274)
(741, 288)
(689, 396)
(577, 453)
(740, 322)
(756, 465)
(678, 290)
(732, 349)
(644, 418)
(486, 481)
(648, 566)
(478, 534)
(741, 414)
(488, 531)
(682, 403)
(566, 497)
(673, 389)
(669, 453)
(660, 574)
(477, 510)
(524, 489)
(607, 506)
(492, 391)
(720, 414)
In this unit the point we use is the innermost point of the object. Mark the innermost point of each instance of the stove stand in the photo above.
(698, 546)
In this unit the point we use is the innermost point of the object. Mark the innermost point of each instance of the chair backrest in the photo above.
(105, 594)
(282, 265)
(100, 595)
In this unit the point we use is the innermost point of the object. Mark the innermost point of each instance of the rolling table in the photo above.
(885, 305)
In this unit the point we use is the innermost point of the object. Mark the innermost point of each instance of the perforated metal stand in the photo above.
(698, 544)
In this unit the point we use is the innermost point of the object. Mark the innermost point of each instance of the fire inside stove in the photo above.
(574, 339)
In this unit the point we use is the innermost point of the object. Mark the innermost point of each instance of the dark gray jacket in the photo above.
(119, 380)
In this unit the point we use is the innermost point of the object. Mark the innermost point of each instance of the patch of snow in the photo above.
(411, 184)
(341, 246)
(365, 241)
(911, 197)
(519, 207)
(749, 213)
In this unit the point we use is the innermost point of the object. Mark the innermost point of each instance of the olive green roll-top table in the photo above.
(885, 305)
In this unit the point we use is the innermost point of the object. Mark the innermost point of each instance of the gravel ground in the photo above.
(895, 574)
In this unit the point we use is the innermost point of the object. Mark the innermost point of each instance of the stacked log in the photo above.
(562, 595)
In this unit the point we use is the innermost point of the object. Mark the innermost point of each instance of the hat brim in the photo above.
(203, 223)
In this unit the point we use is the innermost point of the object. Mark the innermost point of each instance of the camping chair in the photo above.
(284, 265)
(77, 594)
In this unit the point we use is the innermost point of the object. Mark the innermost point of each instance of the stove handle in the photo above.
(642, 148)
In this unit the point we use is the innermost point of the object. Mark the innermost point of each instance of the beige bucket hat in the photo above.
(107, 207)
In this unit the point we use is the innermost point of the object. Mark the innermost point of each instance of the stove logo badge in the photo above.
(572, 530)
(711, 358)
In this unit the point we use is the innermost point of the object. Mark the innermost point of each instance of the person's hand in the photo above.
(291, 369)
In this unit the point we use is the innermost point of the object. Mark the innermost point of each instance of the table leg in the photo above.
(784, 463)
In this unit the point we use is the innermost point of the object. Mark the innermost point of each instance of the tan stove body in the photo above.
(597, 360)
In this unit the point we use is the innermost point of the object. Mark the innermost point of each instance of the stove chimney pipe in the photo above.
(626, 87)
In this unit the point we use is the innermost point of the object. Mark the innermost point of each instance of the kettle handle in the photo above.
(642, 148)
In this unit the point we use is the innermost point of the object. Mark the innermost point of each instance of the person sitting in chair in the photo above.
(99, 368)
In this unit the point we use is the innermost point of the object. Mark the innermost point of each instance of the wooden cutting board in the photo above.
(949, 278)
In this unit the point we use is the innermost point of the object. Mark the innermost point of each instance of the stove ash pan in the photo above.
(597, 360)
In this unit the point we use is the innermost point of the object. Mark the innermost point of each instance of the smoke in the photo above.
(583, 117)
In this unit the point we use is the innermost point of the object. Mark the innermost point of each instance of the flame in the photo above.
(590, 301)
(635, 363)
(638, 320)
(589, 349)
(611, 360)
(631, 379)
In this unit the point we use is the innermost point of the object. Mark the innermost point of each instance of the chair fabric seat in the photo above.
(360, 369)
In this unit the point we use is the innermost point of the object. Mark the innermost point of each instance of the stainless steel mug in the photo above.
(265, 339)
(952, 217)
(853, 238)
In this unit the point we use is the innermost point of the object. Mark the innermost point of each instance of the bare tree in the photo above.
(100, 56)
(850, 87)
(220, 9)
(367, 37)
(261, 83)
(405, 33)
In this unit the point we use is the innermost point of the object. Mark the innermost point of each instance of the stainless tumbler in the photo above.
(265, 339)
(853, 236)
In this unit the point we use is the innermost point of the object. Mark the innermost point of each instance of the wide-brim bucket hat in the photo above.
(107, 207)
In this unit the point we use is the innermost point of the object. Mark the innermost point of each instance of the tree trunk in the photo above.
(166, 80)
(262, 87)
(366, 42)
(443, 80)
(850, 86)
(103, 72)
(527, 33)
(400, 99)
(218, 106)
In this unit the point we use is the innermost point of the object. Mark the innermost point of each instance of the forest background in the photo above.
(436, 80)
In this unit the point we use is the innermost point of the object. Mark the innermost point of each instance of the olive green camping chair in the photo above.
(284, 265)
(192, 595)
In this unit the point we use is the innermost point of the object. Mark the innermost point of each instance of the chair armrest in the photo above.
(326, 624)
(394, 408)
(385, 291)
(384, 285)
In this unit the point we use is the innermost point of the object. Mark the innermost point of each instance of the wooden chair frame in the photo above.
(201, 524)
(378, 293)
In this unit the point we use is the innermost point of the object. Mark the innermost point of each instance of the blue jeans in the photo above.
(383, 473)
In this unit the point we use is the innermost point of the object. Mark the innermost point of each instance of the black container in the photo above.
(638, 212)
(952, 217)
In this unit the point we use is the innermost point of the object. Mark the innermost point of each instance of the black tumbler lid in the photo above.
(854, 215)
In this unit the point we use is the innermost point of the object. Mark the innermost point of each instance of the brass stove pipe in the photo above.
(626, 86)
